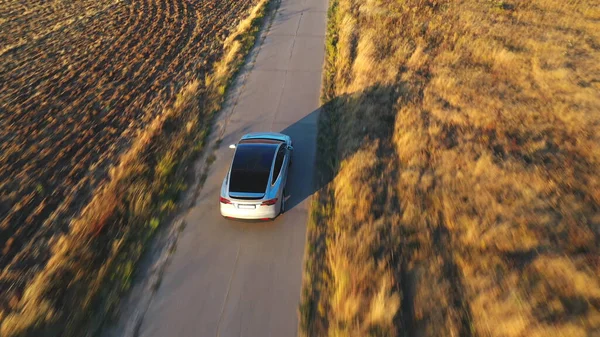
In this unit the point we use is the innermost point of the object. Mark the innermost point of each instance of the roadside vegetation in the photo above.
(91, 264)
(458, 148)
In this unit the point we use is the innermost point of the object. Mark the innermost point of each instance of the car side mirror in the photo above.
(290, 148)
(232, 146)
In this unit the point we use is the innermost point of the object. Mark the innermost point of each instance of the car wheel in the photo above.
(282, 208)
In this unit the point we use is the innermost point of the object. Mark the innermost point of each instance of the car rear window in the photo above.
(251, 168)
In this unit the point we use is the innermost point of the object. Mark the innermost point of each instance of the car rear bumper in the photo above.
(260, 212)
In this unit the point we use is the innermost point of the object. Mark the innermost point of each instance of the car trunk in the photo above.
(246, 196)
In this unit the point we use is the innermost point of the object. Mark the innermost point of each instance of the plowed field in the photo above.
(77, 81)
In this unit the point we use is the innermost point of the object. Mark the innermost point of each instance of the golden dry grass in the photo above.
(92, 264)
(466, 172)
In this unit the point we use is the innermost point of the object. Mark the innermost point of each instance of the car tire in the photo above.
(282, 208)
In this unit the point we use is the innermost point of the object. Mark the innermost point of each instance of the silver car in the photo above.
(254, 187)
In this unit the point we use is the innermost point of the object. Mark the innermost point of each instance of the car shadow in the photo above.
(301, 182)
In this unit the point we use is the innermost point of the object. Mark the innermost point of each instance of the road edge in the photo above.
(310, 318)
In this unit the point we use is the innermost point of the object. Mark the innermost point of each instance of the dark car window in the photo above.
(251, 167)
(278, 163)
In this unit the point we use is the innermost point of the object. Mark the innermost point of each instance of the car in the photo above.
(254, 187)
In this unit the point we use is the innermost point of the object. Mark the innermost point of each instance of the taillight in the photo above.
(269, 202)
(224, 201)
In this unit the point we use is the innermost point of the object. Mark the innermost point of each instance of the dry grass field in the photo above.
(103, 104)
(461, 145)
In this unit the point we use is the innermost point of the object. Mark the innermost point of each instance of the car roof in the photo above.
(254, 156)
(266, 135)
(251, 167)
(260, 141)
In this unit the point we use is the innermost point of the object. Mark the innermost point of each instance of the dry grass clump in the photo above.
(548, 296)
(362, 298)
(91, 266)
(481, 118)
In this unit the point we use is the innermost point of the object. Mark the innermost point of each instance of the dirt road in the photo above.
(243, 279)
